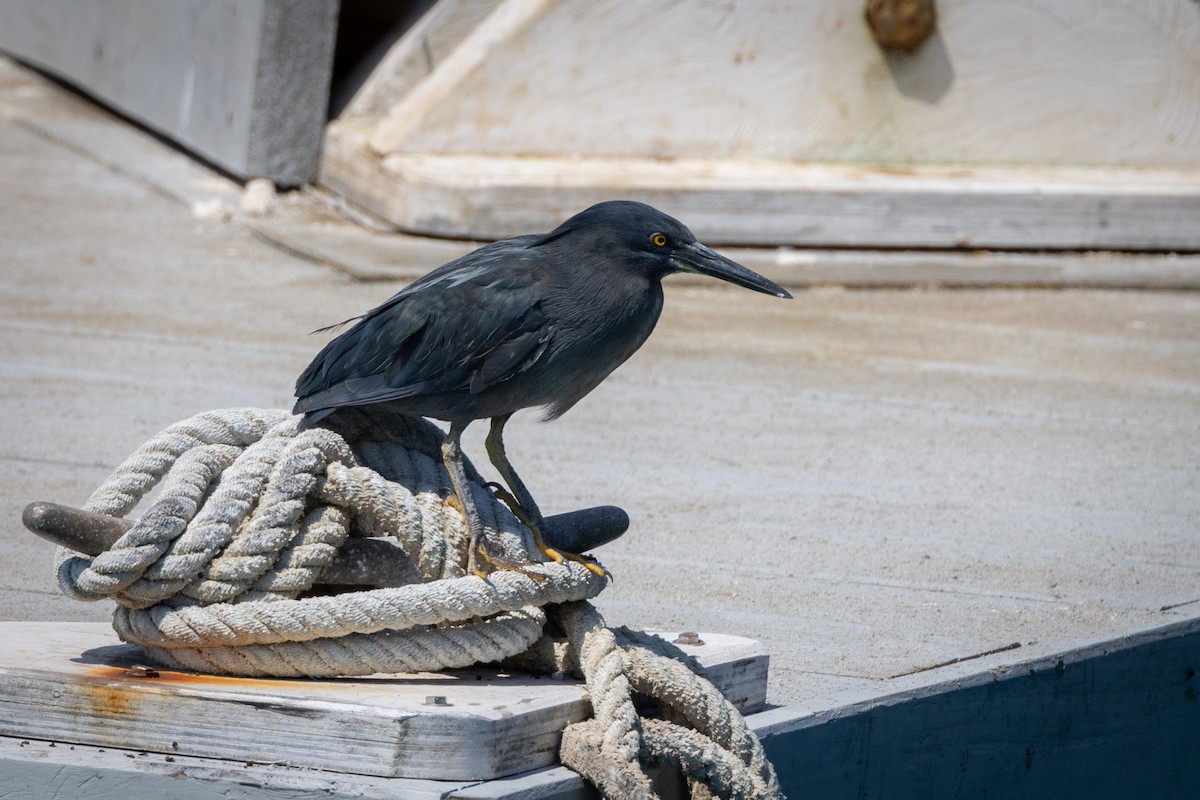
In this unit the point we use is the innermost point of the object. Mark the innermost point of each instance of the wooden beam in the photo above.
(77, 683)
(780, 204)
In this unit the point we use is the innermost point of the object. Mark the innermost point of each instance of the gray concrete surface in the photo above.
(874, 483)
(243, 83)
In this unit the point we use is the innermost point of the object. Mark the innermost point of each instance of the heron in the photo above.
(535, 321)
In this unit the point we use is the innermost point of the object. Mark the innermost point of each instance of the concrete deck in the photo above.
(874, 483)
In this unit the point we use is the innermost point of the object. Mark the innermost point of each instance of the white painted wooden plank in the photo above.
(1027, 81)
(389, 255)
(545, 108)
(749, 203)
(71, 683)
(35, 769)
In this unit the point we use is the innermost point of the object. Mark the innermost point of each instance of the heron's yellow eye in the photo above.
(659, 239)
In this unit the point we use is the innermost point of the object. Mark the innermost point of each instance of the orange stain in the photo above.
(106, 701)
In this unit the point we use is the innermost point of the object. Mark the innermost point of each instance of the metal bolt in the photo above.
(141, 671)
(689, 637)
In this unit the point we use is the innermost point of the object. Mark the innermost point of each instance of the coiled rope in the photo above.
(217, 576)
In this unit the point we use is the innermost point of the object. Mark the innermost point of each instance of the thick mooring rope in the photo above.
(217, 576)
(702, 734)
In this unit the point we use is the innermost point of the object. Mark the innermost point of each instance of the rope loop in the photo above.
(703, 735)
(217, 574)
(227, 571)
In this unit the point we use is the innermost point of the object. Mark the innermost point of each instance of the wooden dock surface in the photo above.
(77, 683)
(875, 484)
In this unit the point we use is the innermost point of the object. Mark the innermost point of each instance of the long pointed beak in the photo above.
(697, 258)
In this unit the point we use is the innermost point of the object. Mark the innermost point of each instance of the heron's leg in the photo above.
(524, 507)
(478, 547)
(453, 459)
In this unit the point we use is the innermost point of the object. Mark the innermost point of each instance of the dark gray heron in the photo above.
(533, 321)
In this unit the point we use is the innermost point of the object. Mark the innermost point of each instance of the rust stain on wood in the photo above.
(108, 701)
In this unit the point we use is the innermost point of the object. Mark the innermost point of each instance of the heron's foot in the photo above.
(481, 558)
(481, 553)
(559, 556)
(533, 522)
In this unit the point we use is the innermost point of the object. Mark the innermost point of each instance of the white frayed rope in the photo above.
(216, 576)
(250, 509)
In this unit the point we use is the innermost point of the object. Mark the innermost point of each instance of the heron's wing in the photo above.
(515, 354)
(466, 326)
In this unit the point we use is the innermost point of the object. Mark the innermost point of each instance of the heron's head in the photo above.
(639, 237)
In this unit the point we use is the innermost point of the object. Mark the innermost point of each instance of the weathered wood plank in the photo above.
(1024, 82)
(375, 255)
(760, 203)
(1036, 124)
(36, 769)
(72, 683)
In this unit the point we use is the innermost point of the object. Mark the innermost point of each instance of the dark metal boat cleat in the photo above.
(373, 562)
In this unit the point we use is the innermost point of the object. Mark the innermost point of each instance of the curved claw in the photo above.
(552, 552)
(593, 566)
(550, 548)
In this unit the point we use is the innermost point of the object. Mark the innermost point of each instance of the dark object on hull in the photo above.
(360, 562)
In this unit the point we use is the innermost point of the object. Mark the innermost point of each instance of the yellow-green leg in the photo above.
(524, 506)
(478, 547)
